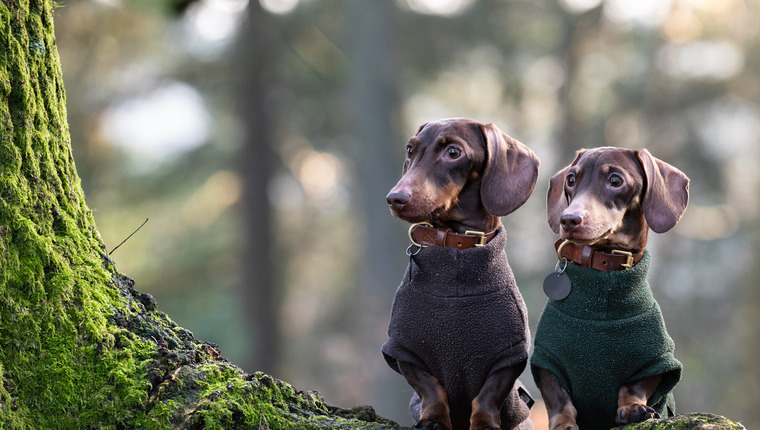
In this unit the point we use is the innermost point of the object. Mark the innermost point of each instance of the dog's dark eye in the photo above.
(616, 181)
(409, 151)
(570, 180)
(453, 152)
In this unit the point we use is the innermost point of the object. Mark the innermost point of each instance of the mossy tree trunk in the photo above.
(79, 346)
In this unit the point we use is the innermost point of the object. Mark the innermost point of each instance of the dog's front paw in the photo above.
(484, 427)
(565, 419)
(635, 413)
(481, 420)
(564, 426)
(560, 422)
(430, 425)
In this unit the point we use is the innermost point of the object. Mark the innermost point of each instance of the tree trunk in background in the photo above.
(253, 55)
(79, 346)
(374, 101)
(746, 322)
(572, 124)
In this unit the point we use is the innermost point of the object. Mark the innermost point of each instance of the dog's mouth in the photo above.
(414, 215)
(582, 236)
(409, 218)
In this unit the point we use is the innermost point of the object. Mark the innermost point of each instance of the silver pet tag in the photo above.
(557, 285)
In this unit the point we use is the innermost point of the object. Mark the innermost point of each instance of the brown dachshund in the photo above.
(602, 206)
(459, 177)
(464, 175)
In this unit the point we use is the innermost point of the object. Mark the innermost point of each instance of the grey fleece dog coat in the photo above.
(459, 316)
(607, 333)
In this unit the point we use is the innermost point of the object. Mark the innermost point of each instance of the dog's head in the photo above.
(459, 170)
(606, 194)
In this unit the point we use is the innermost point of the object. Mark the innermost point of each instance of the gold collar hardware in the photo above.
(587, 256)
(424, 234)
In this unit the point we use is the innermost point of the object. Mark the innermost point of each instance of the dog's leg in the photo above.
(632, 401)
(434, 410)
(486, 407)
(559, 406)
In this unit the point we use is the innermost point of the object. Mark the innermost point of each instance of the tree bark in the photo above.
(374, 101)
(79, 346)
(253, 56)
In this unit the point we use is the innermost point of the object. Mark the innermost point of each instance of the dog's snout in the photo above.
(571, 221)
(397, 200)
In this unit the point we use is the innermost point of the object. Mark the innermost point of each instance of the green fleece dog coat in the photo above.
(607, 333)
(459, 316)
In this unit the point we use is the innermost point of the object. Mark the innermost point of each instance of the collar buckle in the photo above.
(480, 234)
(629, 261)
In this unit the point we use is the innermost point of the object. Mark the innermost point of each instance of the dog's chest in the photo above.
(606, 296)
(459, 313)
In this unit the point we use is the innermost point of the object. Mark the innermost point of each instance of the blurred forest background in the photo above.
(261, 136)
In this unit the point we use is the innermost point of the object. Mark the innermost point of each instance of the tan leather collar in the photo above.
(586, 256)
(424, 234)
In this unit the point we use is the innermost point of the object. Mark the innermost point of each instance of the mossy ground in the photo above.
(193, 386)
(694, 421)
(79, 347)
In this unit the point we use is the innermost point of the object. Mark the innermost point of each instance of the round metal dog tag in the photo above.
(557, 285)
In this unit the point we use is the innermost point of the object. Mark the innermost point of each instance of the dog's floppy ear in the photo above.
(556, 202)
(510, 174)
(666, 194)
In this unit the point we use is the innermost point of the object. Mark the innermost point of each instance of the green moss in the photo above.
(694, 421)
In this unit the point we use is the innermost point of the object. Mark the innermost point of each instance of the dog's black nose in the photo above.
(397, 200)
(571, 221)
